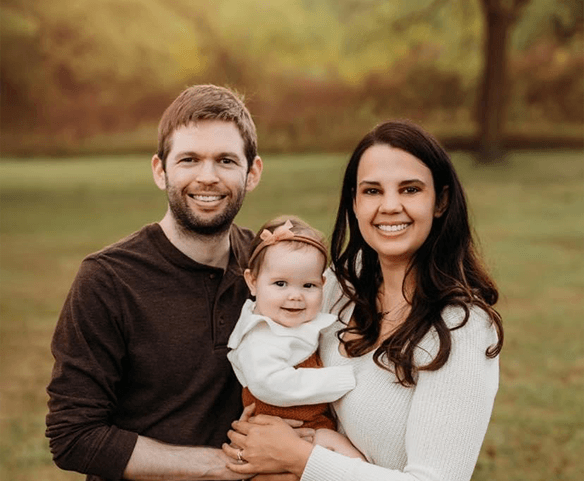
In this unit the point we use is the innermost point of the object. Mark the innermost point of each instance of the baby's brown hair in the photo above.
(285, 228)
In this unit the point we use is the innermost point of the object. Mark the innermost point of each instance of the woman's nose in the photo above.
(391, 203)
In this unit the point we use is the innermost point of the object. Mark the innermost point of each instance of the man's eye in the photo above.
(187, 159)
(227, 160)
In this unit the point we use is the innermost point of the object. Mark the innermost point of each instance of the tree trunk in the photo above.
(492, 97)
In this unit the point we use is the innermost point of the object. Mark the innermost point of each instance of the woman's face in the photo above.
(395, 202)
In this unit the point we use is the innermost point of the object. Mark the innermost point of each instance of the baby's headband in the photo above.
(283, 233)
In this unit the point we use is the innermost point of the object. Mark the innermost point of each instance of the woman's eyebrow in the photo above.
(403, 182)
(412, 181)
(369, 182)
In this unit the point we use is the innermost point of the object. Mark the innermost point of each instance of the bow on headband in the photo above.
(281, 233)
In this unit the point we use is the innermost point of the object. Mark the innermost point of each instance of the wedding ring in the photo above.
(239, 456)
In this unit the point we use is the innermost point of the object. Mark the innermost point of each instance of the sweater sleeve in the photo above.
(447, 422)
(268, 375)
(88, 348)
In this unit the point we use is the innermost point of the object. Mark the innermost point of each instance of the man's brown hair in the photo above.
(207, 102)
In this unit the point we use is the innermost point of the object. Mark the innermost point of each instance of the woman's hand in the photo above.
(268, 444)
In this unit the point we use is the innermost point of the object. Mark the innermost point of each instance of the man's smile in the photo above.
(206, 197)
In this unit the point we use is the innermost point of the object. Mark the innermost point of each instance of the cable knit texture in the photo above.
(430, 432)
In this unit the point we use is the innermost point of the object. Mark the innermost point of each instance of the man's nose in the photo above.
(207, 172)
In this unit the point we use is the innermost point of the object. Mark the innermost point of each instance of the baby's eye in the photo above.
(308, 285)
(280, 283)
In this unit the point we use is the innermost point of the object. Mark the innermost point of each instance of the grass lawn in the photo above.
(528, 215)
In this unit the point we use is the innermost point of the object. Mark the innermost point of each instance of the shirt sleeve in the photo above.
(447, 422)
(268, 375)
(88, 347)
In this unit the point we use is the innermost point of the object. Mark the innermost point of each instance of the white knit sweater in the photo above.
(430, 432)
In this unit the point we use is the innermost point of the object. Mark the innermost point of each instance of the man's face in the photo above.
(206, 176)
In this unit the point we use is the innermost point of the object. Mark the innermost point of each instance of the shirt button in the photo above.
(212, 276)
(221, 320)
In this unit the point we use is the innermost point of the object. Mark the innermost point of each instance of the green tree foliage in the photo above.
(317, 73)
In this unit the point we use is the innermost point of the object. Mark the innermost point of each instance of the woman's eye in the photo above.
(371, 191)
(411, 190)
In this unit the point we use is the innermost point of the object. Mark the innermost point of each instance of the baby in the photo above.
(275, 340)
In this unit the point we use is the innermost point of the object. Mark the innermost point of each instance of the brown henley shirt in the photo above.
(140, 348)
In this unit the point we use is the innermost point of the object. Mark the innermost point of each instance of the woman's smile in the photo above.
(393, 228)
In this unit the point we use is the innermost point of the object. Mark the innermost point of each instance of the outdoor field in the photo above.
(528, 213)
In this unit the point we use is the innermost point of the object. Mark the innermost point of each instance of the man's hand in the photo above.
(304, 433)
(307, 434)
(152, 460)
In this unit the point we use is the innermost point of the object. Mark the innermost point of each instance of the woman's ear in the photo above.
(250, 280)
(442, 202)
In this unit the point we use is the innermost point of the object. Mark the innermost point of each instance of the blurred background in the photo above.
(499, 82)
(95, 75)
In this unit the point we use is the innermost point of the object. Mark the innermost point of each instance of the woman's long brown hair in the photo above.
(447, 269)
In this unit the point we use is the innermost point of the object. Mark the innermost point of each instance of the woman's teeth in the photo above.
(392, 228)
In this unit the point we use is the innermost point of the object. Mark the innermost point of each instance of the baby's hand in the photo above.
(334, 441)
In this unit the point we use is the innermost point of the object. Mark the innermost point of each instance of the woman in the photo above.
(416, 322)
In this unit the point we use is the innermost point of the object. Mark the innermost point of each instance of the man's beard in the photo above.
(189, 222)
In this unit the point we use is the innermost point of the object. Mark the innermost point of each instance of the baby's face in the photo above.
(289, 284)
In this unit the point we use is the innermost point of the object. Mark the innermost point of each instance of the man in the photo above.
(141, 386)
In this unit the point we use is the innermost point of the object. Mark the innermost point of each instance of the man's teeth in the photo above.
(207, 198)
(392, 228)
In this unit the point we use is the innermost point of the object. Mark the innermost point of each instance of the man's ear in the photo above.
(250, 280)
(158, 172)
(442, 202)
(254, 175)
